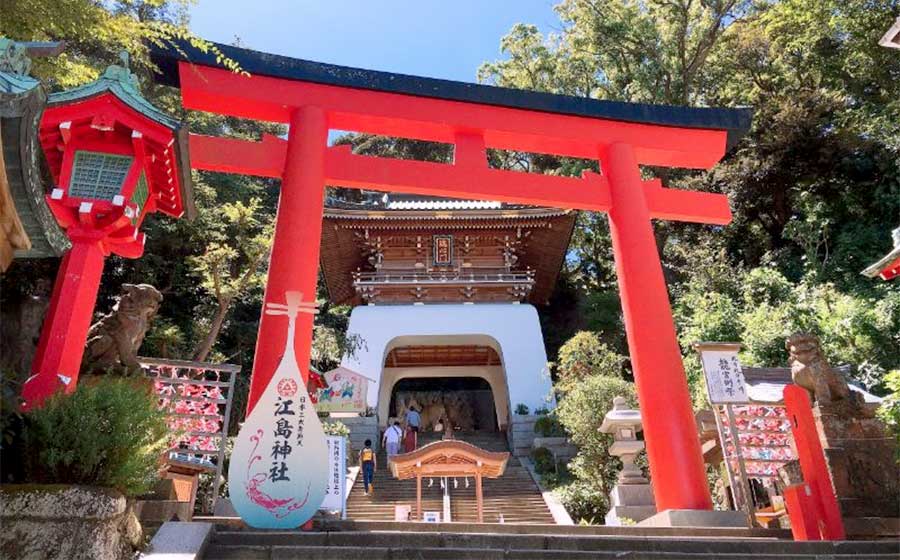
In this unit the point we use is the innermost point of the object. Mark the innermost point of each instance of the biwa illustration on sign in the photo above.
(279, 467)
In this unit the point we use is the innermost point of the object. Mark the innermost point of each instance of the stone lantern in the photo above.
(632, 497)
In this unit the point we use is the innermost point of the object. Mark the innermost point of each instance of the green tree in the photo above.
(581, 412)
(814, 187)
(96, 31)
(230, 265)
(584, 355)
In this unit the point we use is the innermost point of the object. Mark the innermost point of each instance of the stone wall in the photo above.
(57, 522)
(361, 428)
(861, 460)
(521, 434)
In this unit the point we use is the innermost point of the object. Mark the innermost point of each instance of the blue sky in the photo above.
(440, 39)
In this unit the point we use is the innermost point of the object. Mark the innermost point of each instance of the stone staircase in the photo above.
(546, 543)
(514, 496)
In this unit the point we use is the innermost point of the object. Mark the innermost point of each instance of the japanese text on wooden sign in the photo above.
(443, 250)
(725, 382)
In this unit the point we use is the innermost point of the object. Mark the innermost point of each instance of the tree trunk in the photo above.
(210, 339)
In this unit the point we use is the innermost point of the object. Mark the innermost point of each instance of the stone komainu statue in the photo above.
(810, 369)
(114, 340)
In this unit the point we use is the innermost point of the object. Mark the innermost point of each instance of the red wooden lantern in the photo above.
(114, 158)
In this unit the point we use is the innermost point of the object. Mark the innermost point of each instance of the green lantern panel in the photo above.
(97, 175)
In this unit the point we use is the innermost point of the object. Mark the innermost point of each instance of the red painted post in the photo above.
(803, 511)
(64, 333)
(812, 462)
(294, 262)
(673, 447)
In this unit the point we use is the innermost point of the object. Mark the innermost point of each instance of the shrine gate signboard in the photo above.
(314, 98)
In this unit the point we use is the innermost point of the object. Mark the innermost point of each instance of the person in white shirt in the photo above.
(391, 439)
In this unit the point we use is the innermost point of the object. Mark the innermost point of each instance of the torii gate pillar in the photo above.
(293, 265)
(673, 448)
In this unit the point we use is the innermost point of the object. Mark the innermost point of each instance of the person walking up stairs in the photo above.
(368, 464)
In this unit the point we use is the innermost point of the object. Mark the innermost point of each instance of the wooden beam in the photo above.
(242, 157)
(343, 168)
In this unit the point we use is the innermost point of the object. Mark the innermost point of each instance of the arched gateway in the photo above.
(315, 98)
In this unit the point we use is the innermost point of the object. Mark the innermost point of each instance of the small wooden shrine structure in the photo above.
(449, 458)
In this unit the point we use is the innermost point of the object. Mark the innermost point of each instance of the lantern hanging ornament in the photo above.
(114, 158)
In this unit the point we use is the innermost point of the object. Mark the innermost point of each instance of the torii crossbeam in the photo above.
(315, 98)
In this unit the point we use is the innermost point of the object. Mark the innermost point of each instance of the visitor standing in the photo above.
(391, 439)
(413, 421)
(367, 464)
(409, 441)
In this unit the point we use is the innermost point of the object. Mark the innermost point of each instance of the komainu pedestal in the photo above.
(861, 459)
(861, 456)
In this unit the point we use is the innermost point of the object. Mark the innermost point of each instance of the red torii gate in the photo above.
(313, 98)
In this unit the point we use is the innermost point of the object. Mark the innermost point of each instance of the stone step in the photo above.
(403, 553)
(514, 495)
(296, 544)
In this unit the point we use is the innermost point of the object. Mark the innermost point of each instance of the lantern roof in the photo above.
(621, 416)
(121, 82)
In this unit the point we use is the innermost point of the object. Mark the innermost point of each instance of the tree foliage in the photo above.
(581, 412)
(814, 187)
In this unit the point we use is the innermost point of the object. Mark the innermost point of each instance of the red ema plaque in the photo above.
(443, 249)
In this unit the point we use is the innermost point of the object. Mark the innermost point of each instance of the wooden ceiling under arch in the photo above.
(442, 356)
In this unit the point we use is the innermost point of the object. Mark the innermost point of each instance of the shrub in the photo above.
(581, 412)
(586, 503)
(889, 411)
(336, 429)
(544, 461)
(549, 426)
(522, 409)
(108, 433)
(585, 355)
(543, 411)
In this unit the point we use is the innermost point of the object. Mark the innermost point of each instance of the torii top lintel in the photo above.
(437, 110)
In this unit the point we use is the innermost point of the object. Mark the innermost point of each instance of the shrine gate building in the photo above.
(443, 291)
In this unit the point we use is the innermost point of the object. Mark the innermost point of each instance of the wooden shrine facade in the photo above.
(450, 458)
(442, 251)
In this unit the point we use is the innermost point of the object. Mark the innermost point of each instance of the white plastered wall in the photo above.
(512, 330)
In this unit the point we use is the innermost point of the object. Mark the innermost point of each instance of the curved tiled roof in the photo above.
(454, 457)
